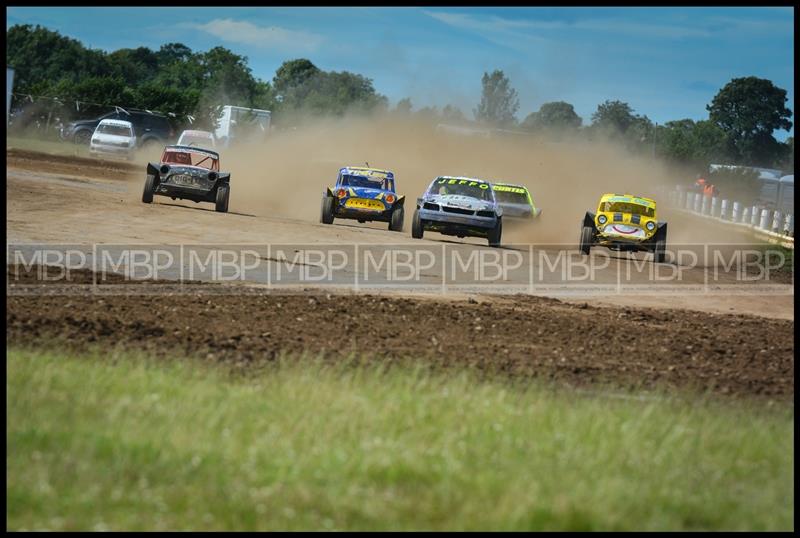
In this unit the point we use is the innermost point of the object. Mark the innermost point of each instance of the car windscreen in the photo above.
(518, 196)
(349, 180)
(461, 187)
(117, 130)
(190, 158)
(622, 207)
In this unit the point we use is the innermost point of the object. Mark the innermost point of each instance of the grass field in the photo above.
(127, 442)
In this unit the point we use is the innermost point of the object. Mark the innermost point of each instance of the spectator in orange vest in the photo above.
(705, 187)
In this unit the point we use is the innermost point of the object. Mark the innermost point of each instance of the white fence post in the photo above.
(698, 199)
(714, 205)
(764, 219)
(789, 225)
(735, 212)
(777, 220)
(746, 215)
(754, 216)
(689, 200)
(704, 206)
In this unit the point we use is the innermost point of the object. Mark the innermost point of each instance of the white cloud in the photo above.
(248, 33)
(493, 26)
(506, 32)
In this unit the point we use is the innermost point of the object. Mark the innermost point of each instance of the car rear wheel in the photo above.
(149, 187)
(416, 226)
(586, 239)
(496, 234)
(396, 223)
(327, 210)
(223, 193)
(83, 137)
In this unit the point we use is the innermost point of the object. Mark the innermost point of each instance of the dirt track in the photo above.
(643, 341)
(62, 199)
(576, 344)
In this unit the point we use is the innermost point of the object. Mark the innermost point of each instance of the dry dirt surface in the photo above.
(577, 345)
(72, 200)
(726, 343)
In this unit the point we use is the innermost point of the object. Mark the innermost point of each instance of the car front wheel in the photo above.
(496, 234)
(417, 230)
(586, 239)
(149, 188)
(223, 193)
(327, 210)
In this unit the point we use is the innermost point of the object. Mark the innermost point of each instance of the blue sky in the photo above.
(668, 63)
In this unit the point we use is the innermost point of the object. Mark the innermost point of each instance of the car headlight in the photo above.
(602, 219)
(651, 226)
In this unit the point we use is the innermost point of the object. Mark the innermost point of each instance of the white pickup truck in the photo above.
(239, 124)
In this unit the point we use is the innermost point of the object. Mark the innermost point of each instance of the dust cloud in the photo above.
(286, 175)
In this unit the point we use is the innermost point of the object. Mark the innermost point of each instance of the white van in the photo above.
(114, 137)
(240, 123)
(197, 139)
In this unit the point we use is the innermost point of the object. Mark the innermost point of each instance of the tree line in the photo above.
(742, 118)
(739, 129)
(176, 79)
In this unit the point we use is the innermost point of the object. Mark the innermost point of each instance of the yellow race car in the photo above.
(624, 222)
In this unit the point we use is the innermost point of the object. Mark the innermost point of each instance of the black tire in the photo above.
(82, 137)
(660, 251)
(223, 194)
(496, 234)
(327, 210)
(396, 222)
(150, 148)
(417, 230)
(149, 188)
(586, 239)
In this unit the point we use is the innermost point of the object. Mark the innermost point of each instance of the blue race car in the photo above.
(364, 194)
(460, 206)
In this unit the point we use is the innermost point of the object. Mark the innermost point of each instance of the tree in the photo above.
(697, 144)
(38, 54)
(499, 102)
(134, 66)
(614, 116)
(171, 53)
(558, 115)
(301, 87)
(615, 120)
(787, 164)
(749, 110)
(292, 75)
(403, 107)
(428, 113)
(453, 114)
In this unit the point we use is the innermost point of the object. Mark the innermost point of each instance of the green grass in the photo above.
(127, 442)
